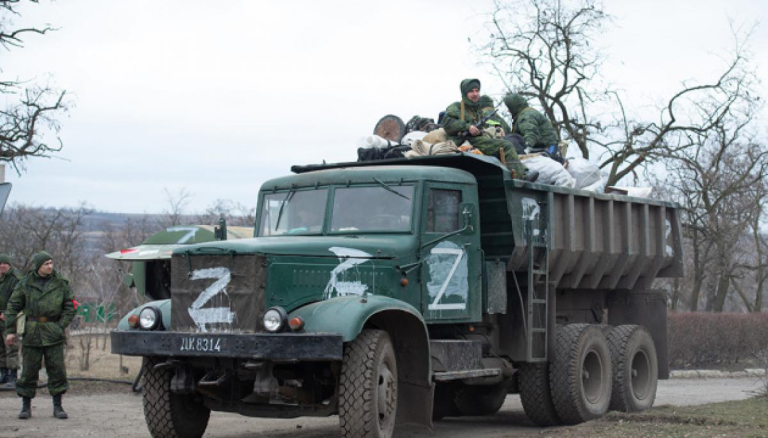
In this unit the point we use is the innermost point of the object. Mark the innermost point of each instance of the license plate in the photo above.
(200, 344)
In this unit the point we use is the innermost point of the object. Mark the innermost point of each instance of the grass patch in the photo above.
(744, 418)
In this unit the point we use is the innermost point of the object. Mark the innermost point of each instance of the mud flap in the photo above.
(414, 404)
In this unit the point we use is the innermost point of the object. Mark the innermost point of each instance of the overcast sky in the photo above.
(217, 97)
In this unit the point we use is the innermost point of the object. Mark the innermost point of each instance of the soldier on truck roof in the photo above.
(462, 116)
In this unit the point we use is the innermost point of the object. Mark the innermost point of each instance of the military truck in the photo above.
(151, 261)
(402, 291)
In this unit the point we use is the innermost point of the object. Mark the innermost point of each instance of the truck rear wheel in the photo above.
(170, 415)
(480, 400)
(635, 368)
(536, 395)
(368, 387)
(580, 374)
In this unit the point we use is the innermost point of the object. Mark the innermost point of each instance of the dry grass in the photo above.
(102, 363)
(737, 419)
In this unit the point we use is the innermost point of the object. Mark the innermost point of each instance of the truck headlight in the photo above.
(275, 319)
(149, 318)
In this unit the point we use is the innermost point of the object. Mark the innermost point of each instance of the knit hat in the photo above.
(469, 84)
(40, 258)
(5, 258)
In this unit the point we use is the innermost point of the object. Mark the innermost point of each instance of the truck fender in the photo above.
(348, 316)
(163, 305)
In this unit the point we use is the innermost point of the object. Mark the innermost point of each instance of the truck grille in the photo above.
(218, 293)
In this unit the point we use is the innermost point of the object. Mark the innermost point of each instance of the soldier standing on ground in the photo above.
(46, 299)
(536, 129)
(9, 355)
(463, 115)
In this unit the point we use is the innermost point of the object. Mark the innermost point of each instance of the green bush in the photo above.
(702, 339)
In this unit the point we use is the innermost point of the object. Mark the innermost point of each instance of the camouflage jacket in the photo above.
(7, 283)
(38, 298)
(535, 128)
(473, 112)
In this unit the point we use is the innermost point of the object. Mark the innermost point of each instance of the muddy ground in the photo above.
(110, 410)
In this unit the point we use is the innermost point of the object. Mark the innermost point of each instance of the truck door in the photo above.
(451, 274)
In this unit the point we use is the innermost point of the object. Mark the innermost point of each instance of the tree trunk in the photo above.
(698, 274)
(722, 292)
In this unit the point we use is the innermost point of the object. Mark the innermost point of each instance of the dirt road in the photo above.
(113, 412)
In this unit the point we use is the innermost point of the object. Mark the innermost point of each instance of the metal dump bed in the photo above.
(594, 241)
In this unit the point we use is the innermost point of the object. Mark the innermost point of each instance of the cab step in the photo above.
(447, 376)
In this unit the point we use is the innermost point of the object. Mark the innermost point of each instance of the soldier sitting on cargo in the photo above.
(535, 127)
(460, 119)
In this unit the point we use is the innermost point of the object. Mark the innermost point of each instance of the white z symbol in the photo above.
(216, 314)
(191, 232)
(456, 306)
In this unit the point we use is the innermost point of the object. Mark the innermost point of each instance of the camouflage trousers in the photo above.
(32, 358)
(490, 146)
(9, 355)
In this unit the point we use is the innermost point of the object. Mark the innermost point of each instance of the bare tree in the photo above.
(176, 205)
(32, 111)
(720, 182)
(26, 230)
(548, 51)
(236, 214)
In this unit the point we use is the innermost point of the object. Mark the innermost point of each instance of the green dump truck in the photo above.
(403, 291)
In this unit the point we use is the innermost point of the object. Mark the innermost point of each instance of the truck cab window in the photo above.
(443, 211)
(293, 213)
(372, 209)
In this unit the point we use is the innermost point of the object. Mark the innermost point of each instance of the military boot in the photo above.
(26, 408)
(3, 375)
(58, 411)
(11, 381)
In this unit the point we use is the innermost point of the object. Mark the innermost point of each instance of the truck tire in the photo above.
(170, 415)
(536, 395)
(580, 374)
(635, 368)
(480, 400)
(368, 387)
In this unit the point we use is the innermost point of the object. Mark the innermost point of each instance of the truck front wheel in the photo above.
(368, 387)
(580, 374)
(635, 368)
(170, 415)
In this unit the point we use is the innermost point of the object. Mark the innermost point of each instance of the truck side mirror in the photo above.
(128, 280)
(466, 209)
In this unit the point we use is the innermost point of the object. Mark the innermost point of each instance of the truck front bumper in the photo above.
(266, 346)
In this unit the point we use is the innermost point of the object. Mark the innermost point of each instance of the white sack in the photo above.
(550, 171)
(375, 141)
(411, 137)
(586, 174)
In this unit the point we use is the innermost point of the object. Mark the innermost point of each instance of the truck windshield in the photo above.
(293, 213)
(379, 209)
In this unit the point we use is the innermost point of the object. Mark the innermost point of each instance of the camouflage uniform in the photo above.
(9, 354)
(42, 297)
(456, 121)
(536, 129)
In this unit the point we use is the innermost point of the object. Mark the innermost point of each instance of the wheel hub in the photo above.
(385, 393)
